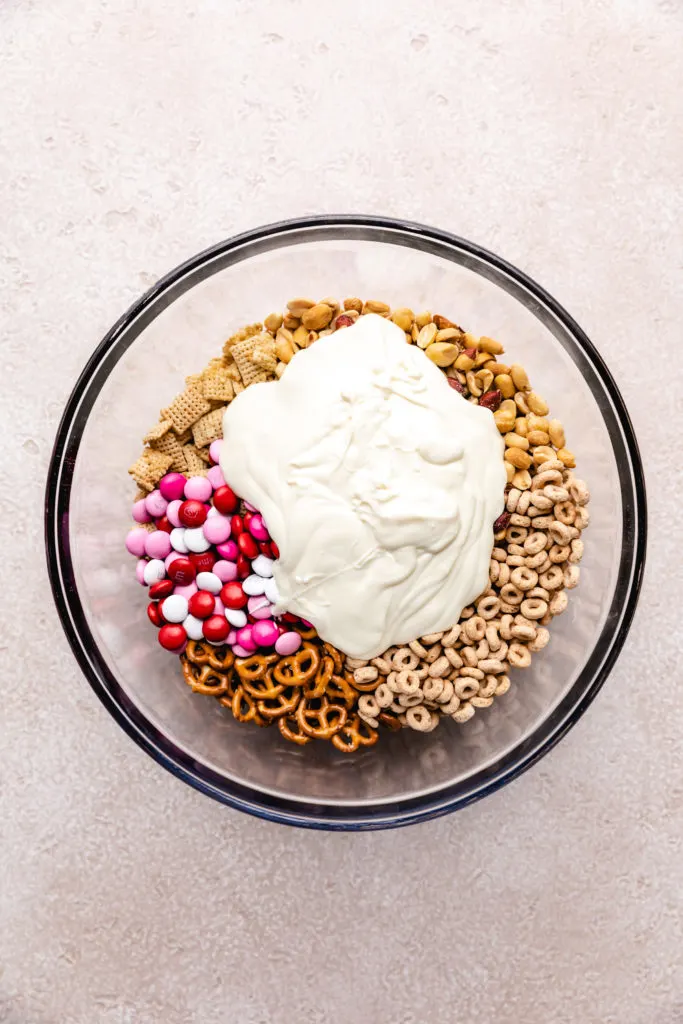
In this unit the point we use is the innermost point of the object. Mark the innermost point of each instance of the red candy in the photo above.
(172, 636)
(247, 545)
(247, 518)
(202, 604)
(236, 526)
(160, 590)
(274, 549)
(182, 571)
(203, 561)
(164, 524)
(265, 548)
(233, 596)
(216, 628)
(225, 500)
(192, 513)
(243, 567)
(154, 615)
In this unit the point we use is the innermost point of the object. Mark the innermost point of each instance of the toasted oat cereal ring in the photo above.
(533, 608)
(523, 578)
(353, 734)
(421, 718)
(404, 659)
(519, 656)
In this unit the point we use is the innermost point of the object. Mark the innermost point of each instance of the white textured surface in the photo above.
(133, 134)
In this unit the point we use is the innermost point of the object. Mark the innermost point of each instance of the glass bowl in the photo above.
(141, 364)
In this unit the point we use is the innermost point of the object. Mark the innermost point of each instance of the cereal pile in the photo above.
(208, 558)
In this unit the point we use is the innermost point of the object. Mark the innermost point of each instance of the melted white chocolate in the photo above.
(379, 483)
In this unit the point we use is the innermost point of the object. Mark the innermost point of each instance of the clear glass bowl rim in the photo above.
(104, 683)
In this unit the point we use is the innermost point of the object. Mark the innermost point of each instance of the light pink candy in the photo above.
(187, 591)
(241, 652)
(219, 608)
(140, 571)
(226, 571)
(217, 529)
(135, 541)
(156, 504)
(260, 607)
(215, 449)
(140, 513)
(257, 528)
(245, 638)
(231, 638)
(288, 643)
(215, 477)
(251, 508)
(228, 550)
(171, 558)
(157, 544)
(198, 488)
(265, 633)
(181, 649)
(172, 512)
(172, 486)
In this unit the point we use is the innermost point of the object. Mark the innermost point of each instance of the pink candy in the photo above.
(257, 528)
(288, 643)
(260, 607)
(140, 513)
(172, 486)
(135, 541)
(227, 550)
(198, 488)
(226, 571)
(157, 544)
(171, 558)
(140, 571)
(241, 652)
(172, 512)
(187, 591)
(156, 504)
(215, 449)
(265, 633)
(215, 477)
(245, 638)
(217, 529)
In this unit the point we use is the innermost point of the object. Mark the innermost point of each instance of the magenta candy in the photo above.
(140, 571)
(228, 550)
(172, 512)
(257, 528)
(307, 624)
(215, 449)
(135, 541)
(198, 488)
(241, 652)
(217, 529)
(172, 486)
(156, 504)
(265, 633)
(187, 591)
(260, 607)
(157, 544)
(215, 477)
(226, 571)
(288, 643)
(245, 638)
(140, 513)
(171, 558)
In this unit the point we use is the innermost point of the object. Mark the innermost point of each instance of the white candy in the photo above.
(174, 608)
(209, 581)
(254, 585)
(236, 617)
(154, 571)
(177, 537)
(271, 591)
(263, 566)
(193, 627)
(196, 541)
(213, 511)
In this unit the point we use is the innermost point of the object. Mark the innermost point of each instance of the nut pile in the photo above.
(537, 539)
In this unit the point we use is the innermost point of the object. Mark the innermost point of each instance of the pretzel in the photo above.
(243, 707)
(320, 718)
(336, 658)
(254, 668)
(200, 679)
(220, 658)
(354, 734)
(291, 730)
(367, 687)
(317, 687)
(389, 721)
(341, 692)
(285, 702)
(297, 669)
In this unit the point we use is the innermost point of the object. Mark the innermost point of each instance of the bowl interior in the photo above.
(174, 335)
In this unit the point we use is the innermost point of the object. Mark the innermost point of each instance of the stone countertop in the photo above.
(134, 133)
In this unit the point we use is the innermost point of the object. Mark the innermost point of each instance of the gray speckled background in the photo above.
(132, 134)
